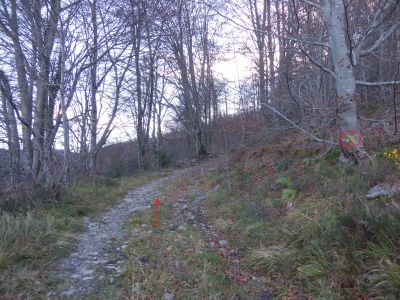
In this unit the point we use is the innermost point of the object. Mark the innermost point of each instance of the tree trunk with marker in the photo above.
(334, 13)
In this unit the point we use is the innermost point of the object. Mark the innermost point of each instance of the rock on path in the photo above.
(96, 249)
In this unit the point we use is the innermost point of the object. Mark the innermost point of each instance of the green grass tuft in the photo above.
(289, 194)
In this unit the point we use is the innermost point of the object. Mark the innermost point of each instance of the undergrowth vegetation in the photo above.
(32, 241)
(303, 221)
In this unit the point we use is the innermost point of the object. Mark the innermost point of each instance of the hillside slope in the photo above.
(303, 222)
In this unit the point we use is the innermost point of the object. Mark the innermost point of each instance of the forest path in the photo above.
(99, 257)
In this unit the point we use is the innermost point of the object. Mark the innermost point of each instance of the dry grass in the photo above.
(180, 261)
(30, 243)
(325, 242)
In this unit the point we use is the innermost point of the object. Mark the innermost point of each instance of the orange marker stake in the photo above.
(157, 204)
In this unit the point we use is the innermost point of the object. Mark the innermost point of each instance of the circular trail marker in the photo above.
(350, 138)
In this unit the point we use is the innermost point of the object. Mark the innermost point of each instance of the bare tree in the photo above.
(11, 126)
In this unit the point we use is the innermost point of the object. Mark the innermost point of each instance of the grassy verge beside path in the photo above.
(32, 242)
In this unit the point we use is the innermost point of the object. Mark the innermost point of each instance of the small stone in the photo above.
(100, 261)
(223, 243)
(185, 206)
(93, 253)
(87, 272)
(174, 227)
(212, 244)
(379, 190)
(265, 295)
(69, 292)
(111, 280)
(168, 296)
(88, 278)
(136, 287)
(182, 228)
(144, 260)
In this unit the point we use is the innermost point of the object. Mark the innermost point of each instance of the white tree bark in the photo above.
(334, 14)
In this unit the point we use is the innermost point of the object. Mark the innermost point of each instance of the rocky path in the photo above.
(99, 256)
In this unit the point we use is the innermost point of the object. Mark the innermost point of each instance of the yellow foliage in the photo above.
(393, 156)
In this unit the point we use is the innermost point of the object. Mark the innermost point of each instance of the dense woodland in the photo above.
(73, 72)
(199, 149)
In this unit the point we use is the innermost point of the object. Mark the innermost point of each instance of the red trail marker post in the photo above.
(157, 204)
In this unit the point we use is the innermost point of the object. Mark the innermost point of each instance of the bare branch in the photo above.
(318, 64)
(312, 3)
(379, 41)
(298, 127)
(265, 31)
(378, 19)
(382, 83)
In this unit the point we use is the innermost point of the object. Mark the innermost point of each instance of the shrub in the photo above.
(283, 165)
(332, 155)
(289, 194)
(23, 197)
(164, 160)
(285, 181)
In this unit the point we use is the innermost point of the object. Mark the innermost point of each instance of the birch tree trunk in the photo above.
(140, 113)
(23, 87)
(44, 39)
(271, 49)
(258, 20)
(93, 83)
(334, 14)
(66, 162)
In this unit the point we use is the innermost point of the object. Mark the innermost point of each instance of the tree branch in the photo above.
(379, 41)
(382, 83)
(239, 25)
(319, 65)
(378, 19)
(312, 3)
(298, 127)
